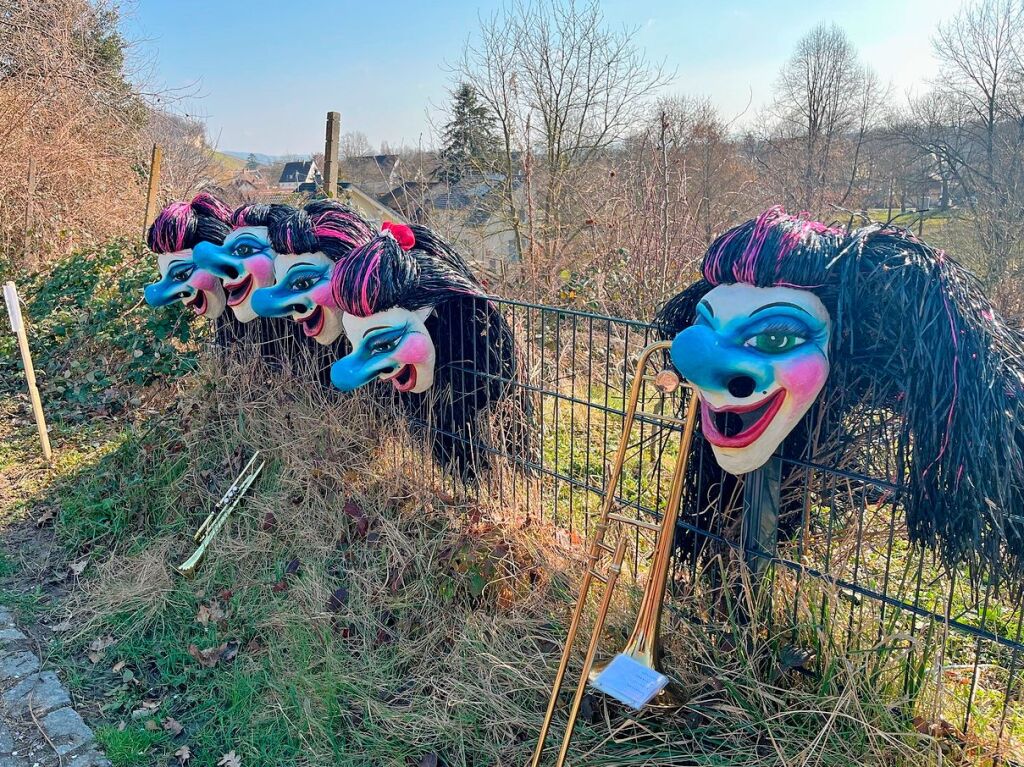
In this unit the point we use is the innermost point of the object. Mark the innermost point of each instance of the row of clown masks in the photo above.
(323, 266)
(864, 348)
(411, 309)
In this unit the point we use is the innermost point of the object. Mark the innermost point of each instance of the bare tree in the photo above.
(563, 89)
(812, 135)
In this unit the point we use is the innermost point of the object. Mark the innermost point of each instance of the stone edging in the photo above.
(22, 685)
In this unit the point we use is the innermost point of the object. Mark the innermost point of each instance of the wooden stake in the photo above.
(331, 142)
(18, 326)
(154, 188)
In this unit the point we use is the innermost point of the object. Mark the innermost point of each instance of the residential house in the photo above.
(471, 212)
(375, 173)
(299, 172)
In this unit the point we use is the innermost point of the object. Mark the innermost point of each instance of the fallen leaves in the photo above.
(211, 656)
(210, 612)
(184, 755)
(97, 648)
(355, 512)
(173, 726)
(337, 600)
(230, 759)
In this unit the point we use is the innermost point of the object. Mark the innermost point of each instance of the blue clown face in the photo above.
(392, 345)
(302, 291)
(245, 262)
(181, 280)
(759, 359)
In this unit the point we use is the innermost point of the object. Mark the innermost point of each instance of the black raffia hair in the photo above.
(322, 226)
(926, 382)
(181, 225)
(477, 366)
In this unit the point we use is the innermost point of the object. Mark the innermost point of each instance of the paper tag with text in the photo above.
(630, 682)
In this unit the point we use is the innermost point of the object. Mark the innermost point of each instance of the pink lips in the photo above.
(770, 405)
(198, 303)
(314, 323)
(405, 379)
(239, 291)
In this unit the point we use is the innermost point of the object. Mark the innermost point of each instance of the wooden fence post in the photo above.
(154, 188)
(18, 326)
(331, 149)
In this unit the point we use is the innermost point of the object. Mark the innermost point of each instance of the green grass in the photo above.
(437, 633)
(125, 748)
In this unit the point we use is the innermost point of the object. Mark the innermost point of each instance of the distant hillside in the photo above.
(266, 159)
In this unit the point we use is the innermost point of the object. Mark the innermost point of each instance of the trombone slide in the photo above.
(219, 516)
(642, 646)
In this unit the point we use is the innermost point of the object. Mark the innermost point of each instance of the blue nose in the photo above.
(267, 303)
(153, 294)
(349, 373)
(213, 258)
(164, 293)
(710, 362)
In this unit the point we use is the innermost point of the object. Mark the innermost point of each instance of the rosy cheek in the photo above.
(415, 351)
(203, 280)
(260, 267)
(321, 295)
(803, 377)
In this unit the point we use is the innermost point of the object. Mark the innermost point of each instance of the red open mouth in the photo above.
(405, 379)
(741, 425)
(198, 303)
(313, 323)
(237, 292)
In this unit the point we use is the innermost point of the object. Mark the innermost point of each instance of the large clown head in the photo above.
(176, 231)
(245, 261)
(757, 344)
(386, 308)
(759, 358)
(308, 243)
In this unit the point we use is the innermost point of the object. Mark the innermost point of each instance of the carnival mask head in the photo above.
(387, 291)
(923, 380)
(245, 260)
(179, 228)
(758, 348)
(308, 243)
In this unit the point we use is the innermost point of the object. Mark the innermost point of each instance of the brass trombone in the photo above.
(221, 511)
(643, 644)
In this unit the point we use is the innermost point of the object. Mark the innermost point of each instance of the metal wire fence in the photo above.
(833, 559)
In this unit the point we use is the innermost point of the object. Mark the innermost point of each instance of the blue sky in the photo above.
(265, 72)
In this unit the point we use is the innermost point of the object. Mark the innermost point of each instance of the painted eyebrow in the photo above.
(708, 306)
(303, 263)
(375, 327)
(782, 304)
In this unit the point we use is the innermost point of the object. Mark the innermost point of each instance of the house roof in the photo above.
(296, 171)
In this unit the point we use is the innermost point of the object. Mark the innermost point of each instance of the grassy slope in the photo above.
(430, 632)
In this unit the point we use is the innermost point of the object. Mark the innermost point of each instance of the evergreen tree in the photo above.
(469, 138)
(251, 162)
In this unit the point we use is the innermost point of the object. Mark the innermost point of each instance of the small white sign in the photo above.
(630, 682)
(13, 309)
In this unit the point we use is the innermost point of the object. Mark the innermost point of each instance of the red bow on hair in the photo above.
(403, 234)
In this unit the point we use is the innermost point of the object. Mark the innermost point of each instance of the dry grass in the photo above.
(433, 631)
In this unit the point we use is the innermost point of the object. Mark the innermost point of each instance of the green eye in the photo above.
(303, 283)
(386, 346)
(244, 250)
(775, 343)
